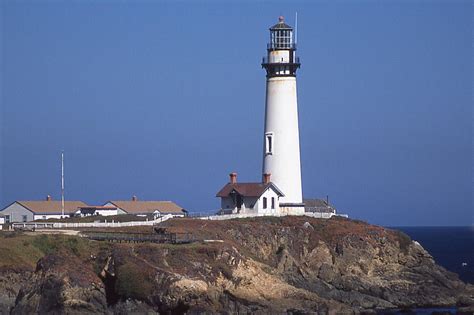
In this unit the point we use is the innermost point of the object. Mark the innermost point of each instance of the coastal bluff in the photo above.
(263, 265)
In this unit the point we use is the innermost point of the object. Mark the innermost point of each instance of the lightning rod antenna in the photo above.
(296, 27)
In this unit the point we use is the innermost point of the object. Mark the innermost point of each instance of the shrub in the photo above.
(225, 269)
(404, 241)
(280, 249)
(73, 245)
(132, 282)
(52, 243)
(44, 244)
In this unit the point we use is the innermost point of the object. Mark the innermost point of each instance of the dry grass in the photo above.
(21, 252)
(17, 252)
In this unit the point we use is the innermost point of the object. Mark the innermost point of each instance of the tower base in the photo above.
(292, 208)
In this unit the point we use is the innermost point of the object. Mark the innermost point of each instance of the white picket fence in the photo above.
(62, 225)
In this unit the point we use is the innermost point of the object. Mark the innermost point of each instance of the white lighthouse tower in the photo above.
(281, 150)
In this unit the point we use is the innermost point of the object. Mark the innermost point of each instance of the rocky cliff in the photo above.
(261, 265)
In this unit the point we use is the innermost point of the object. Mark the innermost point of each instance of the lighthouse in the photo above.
(279, 192)
(281, 149)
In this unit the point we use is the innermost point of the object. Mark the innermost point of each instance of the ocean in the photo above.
(451, 247)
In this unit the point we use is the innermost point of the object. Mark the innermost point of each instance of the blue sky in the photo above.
(163, 99)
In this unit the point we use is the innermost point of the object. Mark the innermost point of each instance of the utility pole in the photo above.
(62, 184)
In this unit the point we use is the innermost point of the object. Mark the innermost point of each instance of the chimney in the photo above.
(134, 198)
(233, 177)
(266, 178)
(48, 198)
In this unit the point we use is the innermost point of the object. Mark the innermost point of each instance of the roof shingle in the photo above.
(52, 207)
(247, 189)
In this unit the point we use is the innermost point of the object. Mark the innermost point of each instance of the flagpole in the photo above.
(62, 184)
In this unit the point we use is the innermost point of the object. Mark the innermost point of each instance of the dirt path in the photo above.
(53, 231)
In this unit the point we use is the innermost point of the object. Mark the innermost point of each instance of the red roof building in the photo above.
(249, 198)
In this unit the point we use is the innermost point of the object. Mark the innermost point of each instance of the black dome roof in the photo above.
(281, 25)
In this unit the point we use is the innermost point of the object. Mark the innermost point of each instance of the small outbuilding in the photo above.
(145, 208)
(318, 206)
(250, 198)
(25, 211)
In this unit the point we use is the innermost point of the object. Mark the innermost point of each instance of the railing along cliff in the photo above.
(64, 225)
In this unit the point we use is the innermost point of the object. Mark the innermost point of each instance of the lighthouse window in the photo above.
(269, 143)
(273, 202)
(264, 202)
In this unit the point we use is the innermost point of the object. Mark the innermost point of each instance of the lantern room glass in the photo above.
(281, 39)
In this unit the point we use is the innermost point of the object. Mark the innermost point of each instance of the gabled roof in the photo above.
(138, 206)
(51, 206)
(248, 189)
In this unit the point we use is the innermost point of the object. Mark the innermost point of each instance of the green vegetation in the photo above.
(52, 243)
(403, 240)
(132, 282)
(19, 251)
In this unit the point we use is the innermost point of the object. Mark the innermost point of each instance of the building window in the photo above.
(24, 218)
(273, 202)
(269, 143)
(264, 202)
(44, 217)
(7, 219)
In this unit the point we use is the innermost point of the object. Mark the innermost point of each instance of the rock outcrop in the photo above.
(11, 281)
(261, 265)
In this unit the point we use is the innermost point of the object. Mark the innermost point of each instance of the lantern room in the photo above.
(281, 59)
(281, 36)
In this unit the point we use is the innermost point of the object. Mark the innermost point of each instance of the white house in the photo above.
(144, 208)
(250, 198)
(98, 210)
(25, 211)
